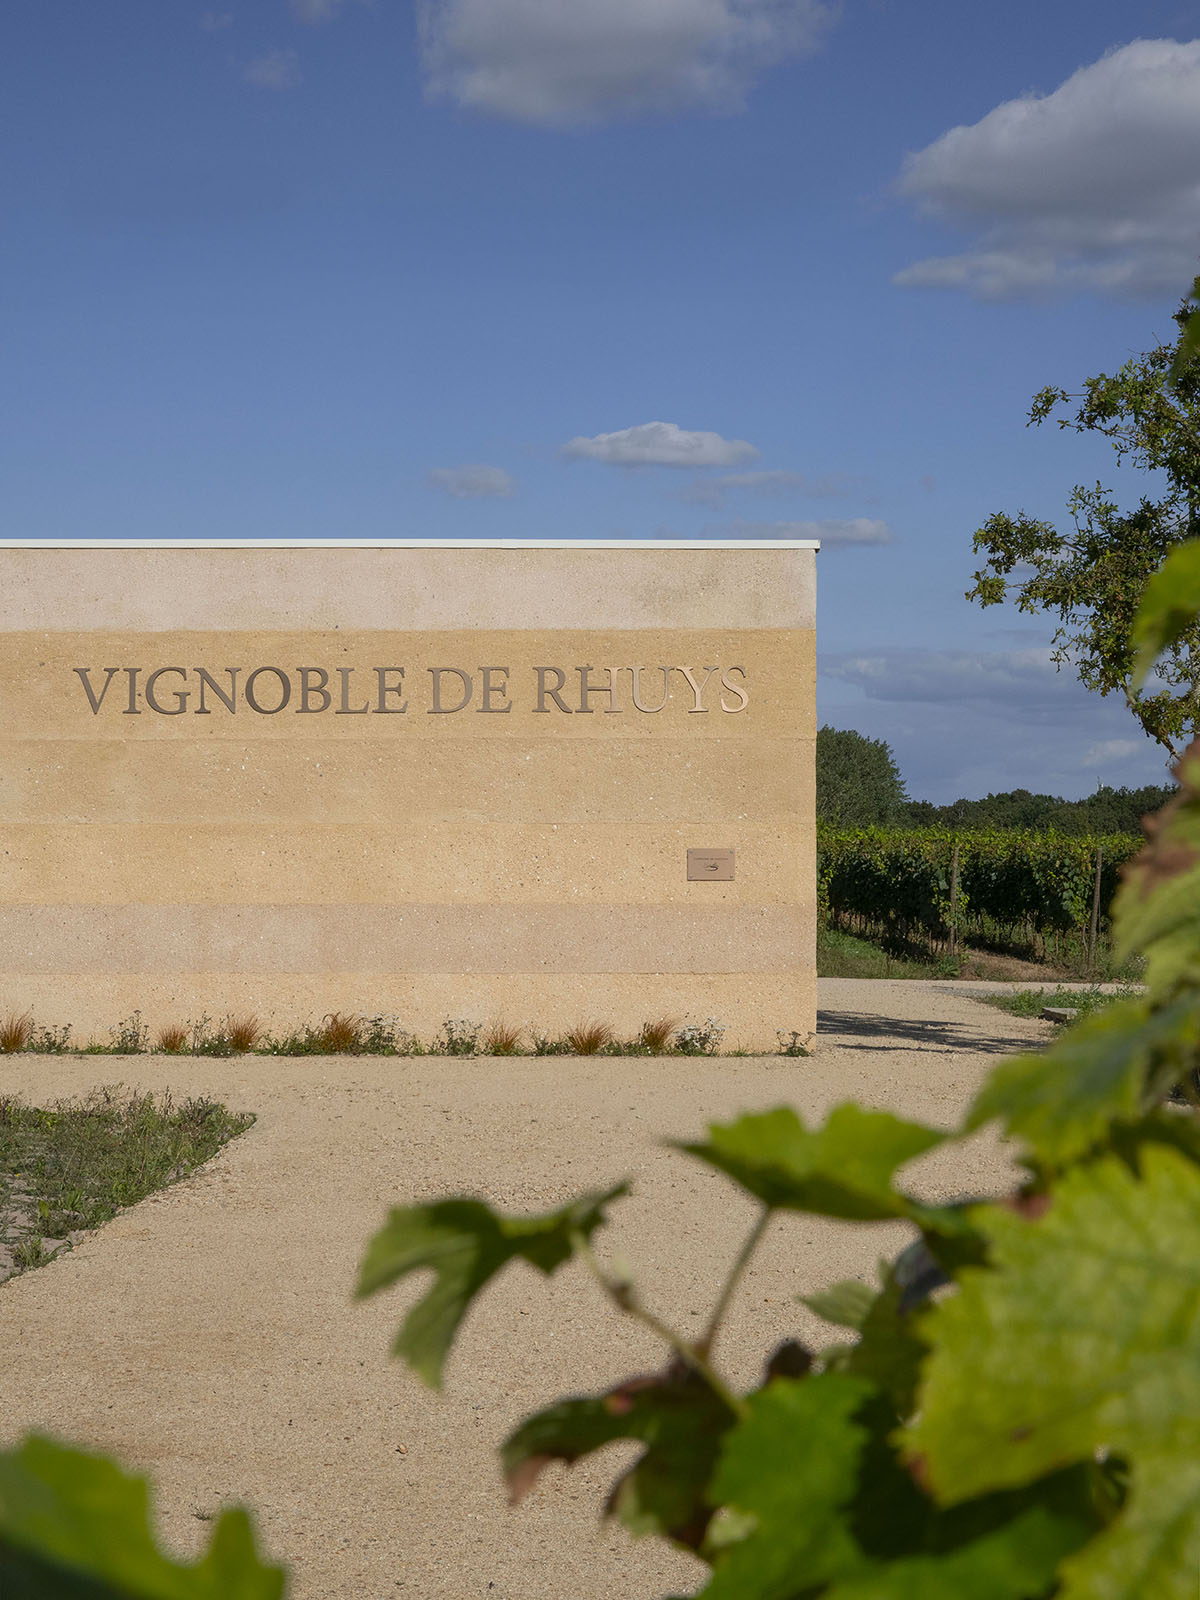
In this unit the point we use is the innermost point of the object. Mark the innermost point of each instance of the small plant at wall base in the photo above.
(501, 1040)
(16, 1030)
(793, 1043)
(701, 1038)
(656, 1035)
(459, 1037)
(588, 1038)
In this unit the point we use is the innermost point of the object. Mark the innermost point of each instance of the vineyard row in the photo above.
(930, 884)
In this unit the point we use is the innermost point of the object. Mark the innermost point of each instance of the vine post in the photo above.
(1094, 931)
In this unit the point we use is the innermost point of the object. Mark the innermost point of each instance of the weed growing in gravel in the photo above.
(129, 1038)
(545, 1044)
(73, 1165)
(46, 1041)
(171, 1040)
(792, 1043)
(701, 1038)
(459, 1037)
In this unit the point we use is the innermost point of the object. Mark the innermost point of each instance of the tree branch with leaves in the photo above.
(1089, 577)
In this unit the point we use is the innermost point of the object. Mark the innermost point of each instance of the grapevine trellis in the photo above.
(938, 886)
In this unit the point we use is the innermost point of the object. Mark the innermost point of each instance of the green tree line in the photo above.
(859, 785)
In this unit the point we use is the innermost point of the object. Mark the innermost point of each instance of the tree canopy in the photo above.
(1106, 810)
(858, 781)
(1091, 576)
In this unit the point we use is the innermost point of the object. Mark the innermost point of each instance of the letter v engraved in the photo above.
(95, 700)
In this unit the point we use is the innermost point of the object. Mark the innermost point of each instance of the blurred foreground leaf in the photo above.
(675, 1414)
(1109, 1068)
(843, 1169)
(465, 1243)
(1092, 1349)
(1168, 610)
(75, 1527)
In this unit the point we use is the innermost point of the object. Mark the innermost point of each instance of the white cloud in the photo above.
(1095, 186)
(1026, 679)
(474, 482)
(277, 69)
(1107, 751)
(660, 444)
(316, 11)
(773, 485)
(567, 62)
(831, 531)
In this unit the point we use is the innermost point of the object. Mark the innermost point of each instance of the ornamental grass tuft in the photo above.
(588, 1038)
(16, 1030)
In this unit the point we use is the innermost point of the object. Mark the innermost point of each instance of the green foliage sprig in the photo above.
(1089, 576)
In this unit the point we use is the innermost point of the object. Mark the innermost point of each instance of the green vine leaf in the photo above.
(75, 1527)
(843, 1169)
(1154, 1547)
(465, 1243)
(844, 1304)
(1188, 348)
(675, 1414)
(1157, 909)
(1169, 608)
(792, 1465)
(1064, 1101)
(1092, 1348)
(1014, 1562)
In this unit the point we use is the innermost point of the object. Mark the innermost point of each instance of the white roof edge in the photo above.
(410, 544)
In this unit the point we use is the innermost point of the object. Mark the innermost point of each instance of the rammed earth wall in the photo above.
(426, 780)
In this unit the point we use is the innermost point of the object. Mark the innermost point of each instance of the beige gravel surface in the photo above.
(207, 1335)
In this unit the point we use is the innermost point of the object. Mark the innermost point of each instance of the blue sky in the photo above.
(324, 268)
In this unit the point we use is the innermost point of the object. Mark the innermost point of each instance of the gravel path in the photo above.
(207, 1335)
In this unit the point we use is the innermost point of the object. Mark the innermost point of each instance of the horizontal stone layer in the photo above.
(517, 939)
(172, 588)
(359, 781)
(753, 1006)
(619, 863)
(405, 688)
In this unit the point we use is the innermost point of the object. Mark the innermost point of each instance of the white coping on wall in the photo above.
(410, 544)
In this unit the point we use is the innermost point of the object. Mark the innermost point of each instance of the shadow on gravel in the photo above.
(858, 1028)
